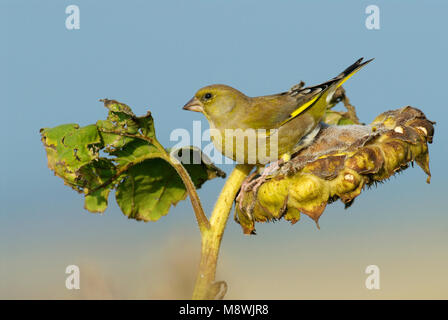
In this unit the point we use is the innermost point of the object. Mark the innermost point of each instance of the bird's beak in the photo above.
(194, 105)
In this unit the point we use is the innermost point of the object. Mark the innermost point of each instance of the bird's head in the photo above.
(215, 101)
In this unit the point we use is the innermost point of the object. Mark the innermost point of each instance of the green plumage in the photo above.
(293, 114)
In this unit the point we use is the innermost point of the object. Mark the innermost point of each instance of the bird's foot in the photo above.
(245, 187)
(268, 171)
(251, 184)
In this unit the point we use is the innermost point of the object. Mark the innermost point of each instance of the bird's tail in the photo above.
(321, 94)
(351, 70)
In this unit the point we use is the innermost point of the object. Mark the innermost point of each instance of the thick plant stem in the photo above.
(205, 287)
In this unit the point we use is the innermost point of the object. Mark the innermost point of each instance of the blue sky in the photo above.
(155, 56)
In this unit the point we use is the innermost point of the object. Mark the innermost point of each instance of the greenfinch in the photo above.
(281, 123)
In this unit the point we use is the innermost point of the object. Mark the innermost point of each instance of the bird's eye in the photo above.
(207, 96)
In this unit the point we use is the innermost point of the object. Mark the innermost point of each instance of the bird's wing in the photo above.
(307, 97)
(273, 111)
(270, 112)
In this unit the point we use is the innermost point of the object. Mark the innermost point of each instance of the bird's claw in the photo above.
(251, 184)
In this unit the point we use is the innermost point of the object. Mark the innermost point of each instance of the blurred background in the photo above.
(155, 56)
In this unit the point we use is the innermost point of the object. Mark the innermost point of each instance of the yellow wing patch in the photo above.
(304, 106)
(346, 74)
(346, 78)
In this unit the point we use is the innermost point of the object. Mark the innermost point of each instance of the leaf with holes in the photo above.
(122, 153)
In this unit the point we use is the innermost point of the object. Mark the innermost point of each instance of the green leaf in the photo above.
(73, 153)
(149, 189)
(97, 201)
(122, 153)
